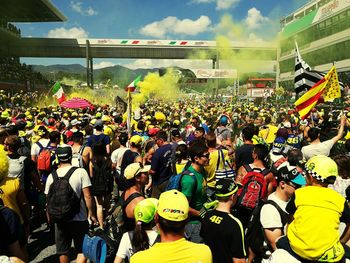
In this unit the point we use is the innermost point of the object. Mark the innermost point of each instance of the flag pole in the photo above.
(47, 94)
(128, 123)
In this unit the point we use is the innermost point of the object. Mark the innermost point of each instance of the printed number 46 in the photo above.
(216, 219)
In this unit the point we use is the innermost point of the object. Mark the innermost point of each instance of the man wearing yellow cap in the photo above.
(171, 218)
(317, 210)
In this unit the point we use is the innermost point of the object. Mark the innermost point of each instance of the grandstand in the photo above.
(13, 74)
(322, 31)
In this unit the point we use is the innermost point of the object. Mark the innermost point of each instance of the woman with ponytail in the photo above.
(143, 236)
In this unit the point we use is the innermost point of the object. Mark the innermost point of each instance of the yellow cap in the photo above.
(136, 139)
(159, 116)
(106, 118)
(173, 206)
(322, 168)
(134, 169)
(145, 210)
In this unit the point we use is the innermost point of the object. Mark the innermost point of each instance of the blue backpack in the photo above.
(175, 180)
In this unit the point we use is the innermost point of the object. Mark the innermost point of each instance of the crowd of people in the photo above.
(13, 71)
(195, 181)
(10, 27)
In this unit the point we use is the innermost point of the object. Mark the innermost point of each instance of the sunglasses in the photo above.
(206, 155)
(139, 169)
(295, 186)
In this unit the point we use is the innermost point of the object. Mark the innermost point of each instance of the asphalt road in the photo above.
(41, 244)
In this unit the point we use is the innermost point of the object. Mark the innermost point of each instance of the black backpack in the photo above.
(114, 225)
(97, 144)
(102, 179)
(254, 233)
(24, 149)
(62, 202)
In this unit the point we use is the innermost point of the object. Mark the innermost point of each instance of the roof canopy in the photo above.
(30, 11)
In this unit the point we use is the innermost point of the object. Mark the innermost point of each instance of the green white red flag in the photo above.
(132, 86)
(58, 92)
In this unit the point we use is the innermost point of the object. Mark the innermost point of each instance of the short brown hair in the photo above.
(13, 142)
(210, 139)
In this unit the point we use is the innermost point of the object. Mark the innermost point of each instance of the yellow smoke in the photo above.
(154, 86)
(245, 60)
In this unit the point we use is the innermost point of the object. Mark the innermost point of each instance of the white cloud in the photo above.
(254, 38)
(255, 18)
(103, 64)
(78, 7)
(173, 25)
(159, 63)
(74, 32)
(220, 4)
(225, 4)
(202, 1)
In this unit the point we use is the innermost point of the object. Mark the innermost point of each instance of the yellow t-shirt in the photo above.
(180, 166)
(211, 167)
(9, 188)
(315, 228)
(179, 251)
(269, 134)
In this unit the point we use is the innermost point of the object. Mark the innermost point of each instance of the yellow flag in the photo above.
(332, 89)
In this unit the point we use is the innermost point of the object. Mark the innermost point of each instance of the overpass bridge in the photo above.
(130, 49)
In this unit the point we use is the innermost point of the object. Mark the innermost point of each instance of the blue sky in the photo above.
(156, 19)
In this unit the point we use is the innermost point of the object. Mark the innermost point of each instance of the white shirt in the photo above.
(279, 256)
(35, 147)
(125, 247)
(79, 180)
(322, 148)
(117, 156)
(269, 215)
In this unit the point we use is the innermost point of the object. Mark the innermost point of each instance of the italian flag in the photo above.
(57, 92)
(132, 86)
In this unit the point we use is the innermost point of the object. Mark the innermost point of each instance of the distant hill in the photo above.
(73, 68)
(79, 69)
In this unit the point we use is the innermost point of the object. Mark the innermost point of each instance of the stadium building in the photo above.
(322, 30)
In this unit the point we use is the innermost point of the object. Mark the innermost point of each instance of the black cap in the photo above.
(225, 187)
(64, 153)
(175, 133)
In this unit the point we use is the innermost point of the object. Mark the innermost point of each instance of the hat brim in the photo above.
(145, 169)
(299, 180)
(218, 194)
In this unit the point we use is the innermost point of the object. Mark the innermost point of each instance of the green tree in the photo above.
(105, 75)
(279, 91)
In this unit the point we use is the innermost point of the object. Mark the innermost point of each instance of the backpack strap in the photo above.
(54, 175)
(265, 172)
(130, 198)
(248, 168)
(157, 240)
(284, 215)
(81, 150)
(70, 172)
(221, 132)
(218, 163)
(131, 235)
(40, 146)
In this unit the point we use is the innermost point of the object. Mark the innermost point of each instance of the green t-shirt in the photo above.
(197, 196)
